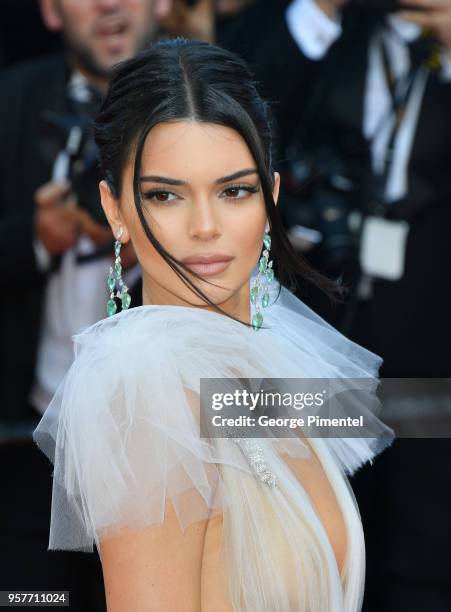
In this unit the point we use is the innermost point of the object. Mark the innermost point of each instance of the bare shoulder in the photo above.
(154, 569)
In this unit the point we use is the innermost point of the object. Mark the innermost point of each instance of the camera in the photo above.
(319, 194)
(328, 193)
(67, 138)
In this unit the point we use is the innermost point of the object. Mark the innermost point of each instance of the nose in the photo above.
(203, 221)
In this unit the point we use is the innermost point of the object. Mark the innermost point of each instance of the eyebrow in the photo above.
(223, 179)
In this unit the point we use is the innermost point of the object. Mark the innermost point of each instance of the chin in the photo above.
(218, 296)
(106, 60)
(106, 64)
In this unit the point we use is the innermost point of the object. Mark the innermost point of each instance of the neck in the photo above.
(237, 305)
(98, 81)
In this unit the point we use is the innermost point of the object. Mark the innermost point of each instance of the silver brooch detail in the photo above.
(256, 458)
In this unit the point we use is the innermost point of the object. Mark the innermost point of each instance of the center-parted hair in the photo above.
(177, 80)
(180, 79)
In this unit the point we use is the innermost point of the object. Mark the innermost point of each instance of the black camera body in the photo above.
(71, 134)
(319, 190)
(323, 191)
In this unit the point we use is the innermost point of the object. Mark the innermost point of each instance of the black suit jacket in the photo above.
(25, 164)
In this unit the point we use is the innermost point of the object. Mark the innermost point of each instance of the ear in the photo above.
(50, 15)
(112, 211)
(162, 8)
(275, 194)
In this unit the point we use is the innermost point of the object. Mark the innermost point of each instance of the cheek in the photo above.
(164, 229)
(169, 226)
(139, 6)
(246, 229)
(140, 13)
(79, 18)
(145, 251)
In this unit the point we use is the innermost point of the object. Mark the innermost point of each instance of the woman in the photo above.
(182, 520)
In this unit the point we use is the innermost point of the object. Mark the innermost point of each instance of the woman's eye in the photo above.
(158, 195)
(236, 192)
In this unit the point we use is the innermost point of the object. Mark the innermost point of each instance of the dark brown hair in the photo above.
(179, 79)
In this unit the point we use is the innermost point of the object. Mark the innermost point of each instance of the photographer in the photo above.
(362, 96)
(370, 162)
(56, 248)
(369, 155)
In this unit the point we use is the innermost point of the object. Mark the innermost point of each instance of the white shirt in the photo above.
(314, 32)
(75, 296)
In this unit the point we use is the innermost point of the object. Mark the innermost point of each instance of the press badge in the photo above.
(383, 247)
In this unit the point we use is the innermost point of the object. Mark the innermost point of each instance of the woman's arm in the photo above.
(154, 569)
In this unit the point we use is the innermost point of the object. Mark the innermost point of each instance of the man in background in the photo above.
(55, 251)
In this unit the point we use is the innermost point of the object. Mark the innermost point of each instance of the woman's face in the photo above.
(202, 200)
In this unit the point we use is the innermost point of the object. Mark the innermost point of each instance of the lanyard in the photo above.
(400, 90)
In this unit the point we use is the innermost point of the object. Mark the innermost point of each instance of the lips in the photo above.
(113, 33)
(112, 27)
(207, 265)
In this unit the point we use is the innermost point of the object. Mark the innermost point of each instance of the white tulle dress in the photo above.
(123, 434)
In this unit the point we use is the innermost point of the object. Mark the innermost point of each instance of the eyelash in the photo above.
(149, 195)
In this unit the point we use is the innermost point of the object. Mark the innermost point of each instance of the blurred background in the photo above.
(361, 96)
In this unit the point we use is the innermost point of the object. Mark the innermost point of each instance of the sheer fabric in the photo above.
(123, 434)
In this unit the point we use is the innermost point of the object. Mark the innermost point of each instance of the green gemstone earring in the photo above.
(261, 284)
(115, 276)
